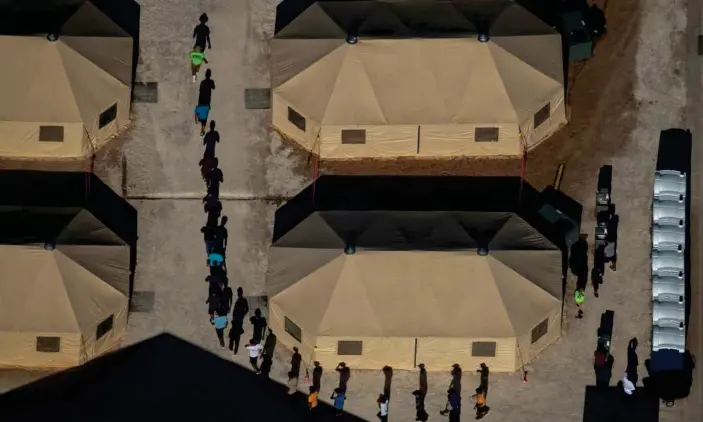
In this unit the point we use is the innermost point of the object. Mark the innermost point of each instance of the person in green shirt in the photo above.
(197, 57)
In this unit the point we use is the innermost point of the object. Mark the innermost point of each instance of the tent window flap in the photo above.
(353, 136)
(350, 348)
(108, 116)
(483, 349)
(540, 330)
(49, 344)
(486, 134)
(296, 118)
(542, 115)
(50, 133)
(292, 329)
(104, 327)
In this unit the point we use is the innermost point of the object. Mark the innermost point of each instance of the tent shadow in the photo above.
(162, 378)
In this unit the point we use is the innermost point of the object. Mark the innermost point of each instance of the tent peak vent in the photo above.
(483, 37)
(52, 36)
(482, 251)
(350, 250)
(49, 246)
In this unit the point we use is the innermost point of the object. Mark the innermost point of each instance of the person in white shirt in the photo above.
(254, 349)
(382, 408)
(627, 386)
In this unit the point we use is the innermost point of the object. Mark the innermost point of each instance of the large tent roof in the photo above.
(63, 85)
(45, 291)
(408, 231)
(417, 64)
(418, 294)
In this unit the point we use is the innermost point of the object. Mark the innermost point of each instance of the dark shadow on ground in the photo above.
(160, 379)
(612, 405)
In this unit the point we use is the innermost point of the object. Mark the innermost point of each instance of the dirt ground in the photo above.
(619, 100)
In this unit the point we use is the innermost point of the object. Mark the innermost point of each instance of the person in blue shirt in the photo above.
(201, 113)
(338, 397)
(220, 322)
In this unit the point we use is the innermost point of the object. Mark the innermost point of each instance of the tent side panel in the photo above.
(527, 351)
(461, 140)
(376, 142)
(121, 121)
(377, 352)
(279, 112)
(19, 350)
(276, 320)
(555, 121)
(438, 354)
(21, 139)
(94, 347)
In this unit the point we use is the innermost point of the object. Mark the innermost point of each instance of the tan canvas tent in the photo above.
(65, 98)
(390, 79)
(66, 250)
(381, 281)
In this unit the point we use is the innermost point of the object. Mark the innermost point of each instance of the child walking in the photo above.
(338, 396)
(197, 57)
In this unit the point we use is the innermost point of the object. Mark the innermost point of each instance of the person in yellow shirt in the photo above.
(313, 399)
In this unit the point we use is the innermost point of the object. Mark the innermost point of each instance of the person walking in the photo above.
(210, 141)
(220, 322)
(579, 298)
(270, 343)
(596, 280)
(295, 362)
(484, 371)
(221, 234)
(456, 378)
(453, 402)
(266, 363)
(207, 85)
(258, 323)
(420, 412)
(388, 379)
(214, 178)
(317, 375)
(209, 238)
(201, 33)
(197, 58)
(254, 349)
(344, 376)
(480, 406)
(207, 164)
(241, 309)
(201, 114)
(338, 398)
(313, 402)
(382, 403)
(611, 254)
(292, 383)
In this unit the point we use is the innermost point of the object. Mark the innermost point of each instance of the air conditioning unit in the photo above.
(668, 238)
(668, 213)
(668, 338)
(669, 314)
(670, 185)
(668, 264)
(668, 289)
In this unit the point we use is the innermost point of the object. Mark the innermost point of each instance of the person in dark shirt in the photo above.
(295, 362)
(210, 140)
(344, 375)
(212, 205)
(221, 234)
(207, 85)
(317, 375)
(207, 164)
(259, 324)
(270, 344)
(210, 240)
(214, 178)
(201, 33)
(241, 309)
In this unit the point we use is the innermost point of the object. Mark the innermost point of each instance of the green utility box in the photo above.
(577, 37)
